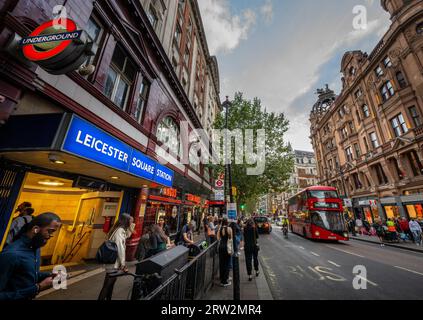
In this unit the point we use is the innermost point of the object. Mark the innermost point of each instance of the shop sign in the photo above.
(169, 192)
(57, 46)
(193, 199)
(87, 141)
(348, 203)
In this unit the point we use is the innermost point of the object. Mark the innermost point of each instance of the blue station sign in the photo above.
(85, 140)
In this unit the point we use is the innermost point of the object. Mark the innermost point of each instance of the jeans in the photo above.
(251, 255)
(417, 236)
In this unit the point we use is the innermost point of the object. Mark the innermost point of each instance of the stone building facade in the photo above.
(368, 140)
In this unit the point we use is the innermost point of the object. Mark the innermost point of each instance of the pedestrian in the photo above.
(121, 231)
(22, 207)
(378, 226)
(20, 277)
(159, 242)
(359, 226)
(405, 226)
(251, 248)
(224, 235)
(164, 226)
(416, 229)
(186, 237)
(24, 218)
(144, 244)
(210, 231)
(194, 224)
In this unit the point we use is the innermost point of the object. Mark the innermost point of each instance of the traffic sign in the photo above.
(220, 183)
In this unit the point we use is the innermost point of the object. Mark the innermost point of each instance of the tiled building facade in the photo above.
(369, 140)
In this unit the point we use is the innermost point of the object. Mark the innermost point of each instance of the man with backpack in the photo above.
(185, 236)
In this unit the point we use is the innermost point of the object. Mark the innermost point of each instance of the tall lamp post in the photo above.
(228, 187)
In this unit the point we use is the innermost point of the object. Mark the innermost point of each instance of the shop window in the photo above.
(387, 91)
(399, 126)
(392, 212)
(415, 116)
(415, 163)
(168, 133)
(415, 211)
(120, 78)
(142, 100)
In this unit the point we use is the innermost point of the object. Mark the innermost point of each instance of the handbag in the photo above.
(108, 252)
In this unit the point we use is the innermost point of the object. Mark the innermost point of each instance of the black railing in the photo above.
(193, 281)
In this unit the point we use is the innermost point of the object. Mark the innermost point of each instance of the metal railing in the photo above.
(193, 281)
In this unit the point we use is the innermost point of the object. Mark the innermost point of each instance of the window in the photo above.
(366, 111)
(358, 93)
(401, 80)
(357, 183)
(344, 133)
(94, 32)
(187, 55)
(399, 125)
(168, 134)
(379, 71)
(419, 28)
(341, 112)
(366, 145)
(353, 71)
(177, 36)
(152, 16)
(381, 176)
(142, 100)
(349, 154)
(373, 139)
(351, 125)
(416, 117)
(357, 150)
(387, 62)
(119, 78)
(330, 163)
(415, 163)
(398, 171)
(387, 91)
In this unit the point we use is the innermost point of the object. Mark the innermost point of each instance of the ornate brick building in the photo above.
(369, 139)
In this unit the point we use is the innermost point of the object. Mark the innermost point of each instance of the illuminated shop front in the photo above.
(76, 170)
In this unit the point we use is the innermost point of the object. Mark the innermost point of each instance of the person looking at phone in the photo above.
(20, 276)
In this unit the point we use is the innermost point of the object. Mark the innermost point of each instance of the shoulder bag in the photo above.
(108, 251)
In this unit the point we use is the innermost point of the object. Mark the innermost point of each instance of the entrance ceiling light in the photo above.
(56, 159)
(51, 183)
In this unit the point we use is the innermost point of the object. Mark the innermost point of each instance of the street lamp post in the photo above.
(228, 187)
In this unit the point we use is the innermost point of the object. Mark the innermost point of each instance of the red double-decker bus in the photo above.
(317, 213)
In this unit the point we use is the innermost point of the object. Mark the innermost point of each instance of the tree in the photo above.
(279, 161)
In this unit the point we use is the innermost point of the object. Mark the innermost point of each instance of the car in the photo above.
(263, 224)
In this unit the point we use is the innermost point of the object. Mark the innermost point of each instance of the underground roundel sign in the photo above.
(50, 39)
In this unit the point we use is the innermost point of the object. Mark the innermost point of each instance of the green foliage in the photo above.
(246, 114)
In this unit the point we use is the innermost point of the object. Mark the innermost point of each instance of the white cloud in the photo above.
(224, 30)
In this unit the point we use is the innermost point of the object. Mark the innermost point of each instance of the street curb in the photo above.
(263, 287)
(389, 245)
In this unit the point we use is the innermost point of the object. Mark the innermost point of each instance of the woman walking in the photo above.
(251, 248)
(211, 230)
(121, 231)
(224, 236)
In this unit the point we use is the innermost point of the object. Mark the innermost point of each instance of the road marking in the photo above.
(344, 251)
(367, 280)
(314, 254)
(302, 248)
(336, 265)
(409, 270)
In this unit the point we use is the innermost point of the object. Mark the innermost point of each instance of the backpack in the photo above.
(108, 252)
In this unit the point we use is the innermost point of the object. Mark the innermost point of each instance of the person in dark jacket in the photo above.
(224, 235)
(20, 276)
(251, 248)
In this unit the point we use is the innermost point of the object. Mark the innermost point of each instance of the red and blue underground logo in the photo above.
(50, 39)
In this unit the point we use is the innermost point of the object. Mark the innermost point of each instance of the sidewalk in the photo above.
(411, 246)
(258, 289)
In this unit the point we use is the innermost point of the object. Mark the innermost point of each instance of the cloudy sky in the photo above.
(283, 50)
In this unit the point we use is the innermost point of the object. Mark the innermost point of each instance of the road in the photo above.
(300, 269)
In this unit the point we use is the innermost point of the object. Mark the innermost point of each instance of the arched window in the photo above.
(401, 80)
(168, 133)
